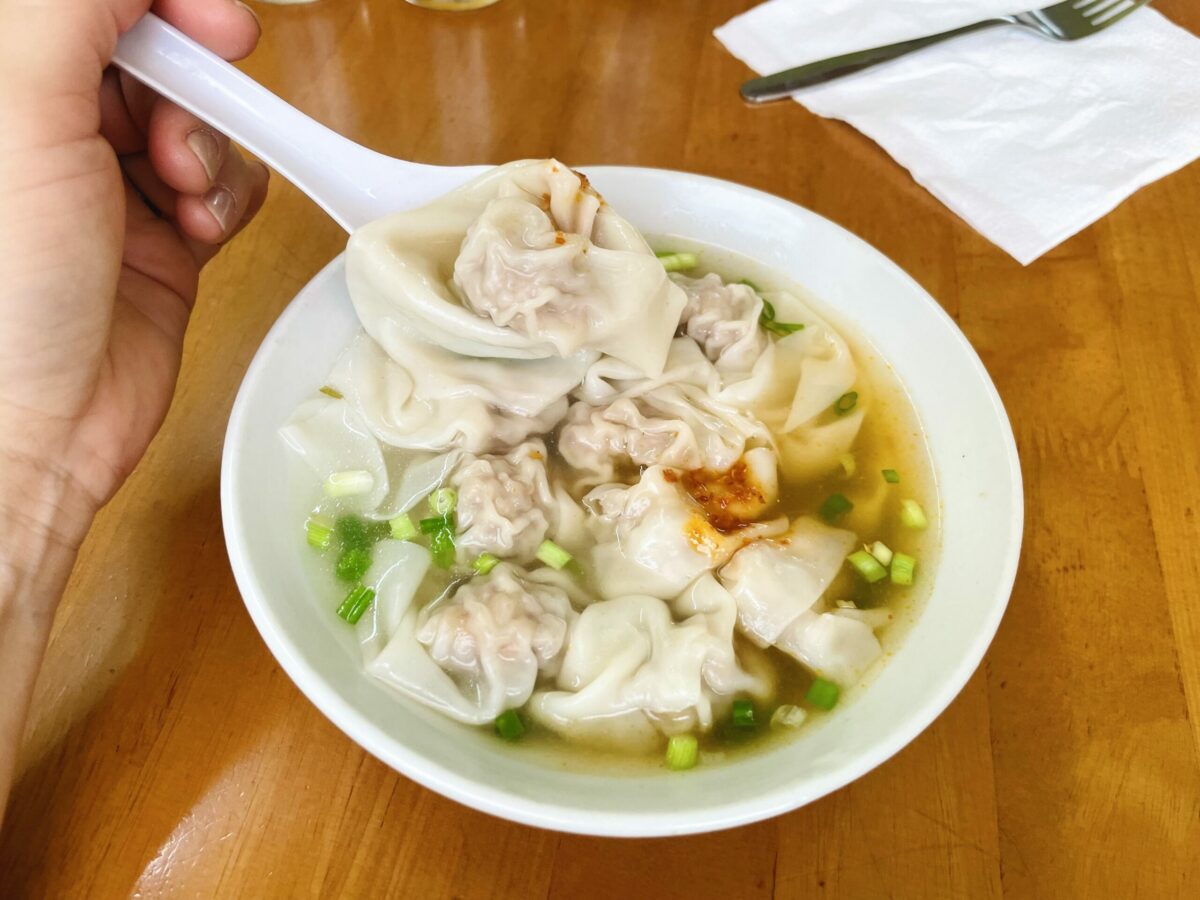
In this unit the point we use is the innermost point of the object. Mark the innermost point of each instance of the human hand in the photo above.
(95, 285)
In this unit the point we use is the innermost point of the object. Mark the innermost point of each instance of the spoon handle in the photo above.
(342, 177)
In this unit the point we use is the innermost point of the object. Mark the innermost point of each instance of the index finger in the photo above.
(229, 28)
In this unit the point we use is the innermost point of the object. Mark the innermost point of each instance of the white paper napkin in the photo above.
(1027, 139)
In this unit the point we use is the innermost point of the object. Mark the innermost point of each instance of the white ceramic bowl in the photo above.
(979, 480)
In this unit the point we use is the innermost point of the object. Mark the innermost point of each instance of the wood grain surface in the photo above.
(170, 756)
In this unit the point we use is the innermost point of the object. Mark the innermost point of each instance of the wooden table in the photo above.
(170, 755)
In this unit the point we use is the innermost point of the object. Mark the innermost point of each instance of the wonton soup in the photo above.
(565, 488)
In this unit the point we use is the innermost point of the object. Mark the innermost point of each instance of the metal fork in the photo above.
(1066, 21)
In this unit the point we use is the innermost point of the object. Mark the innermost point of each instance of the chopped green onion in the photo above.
(845, 604)
(881, 552)
(509, 725)
(846, 402)
(912, 515)
(442, 548)
(402, 528)
(484, 563)
(355, 532)
(349, 484)
(352, 563)
(766, 319)
(834, 507)
(822, 694)
(447, 522)
(903, 567)
(867, 566)
(356, 603)
(788, 716)
(319, 533)
(442, 501)
(743, 713)
(352, 532)
(783, 329)
(682, 752)
(849, 465)
(677, 262)
(553, 555)
(891, 476)
(750, 284)
(331, 392)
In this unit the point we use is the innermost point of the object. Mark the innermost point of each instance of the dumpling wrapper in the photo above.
(630, 663)
(674, 420)
(507, 506)
(330, 436)
(397, 570)
(724, 320)
(504, 503)
(474, 655)
(656, 540)
(436, 400)
(706, 600)
(793, 387)
(836, 647)
(775, 581)
(779, 585)
(791, 383)
(545, 269)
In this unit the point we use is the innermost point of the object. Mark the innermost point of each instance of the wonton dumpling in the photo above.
(546, 268)
(477, 654)
(507, 506)
(673, 420)
(706, 600)
(436, 399)
(836, 647)
(774, 581)
(779, 585)
(793, 385)
(497, 632)
(814, 449)
(657, 538)
(723, 320)
(627, 657)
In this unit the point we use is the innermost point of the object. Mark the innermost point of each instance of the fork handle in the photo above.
(781, 84)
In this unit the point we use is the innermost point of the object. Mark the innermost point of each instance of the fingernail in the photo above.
(203, 143)
(257, 22)
(220, 202)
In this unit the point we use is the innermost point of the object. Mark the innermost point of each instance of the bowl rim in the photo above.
(431, 774)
